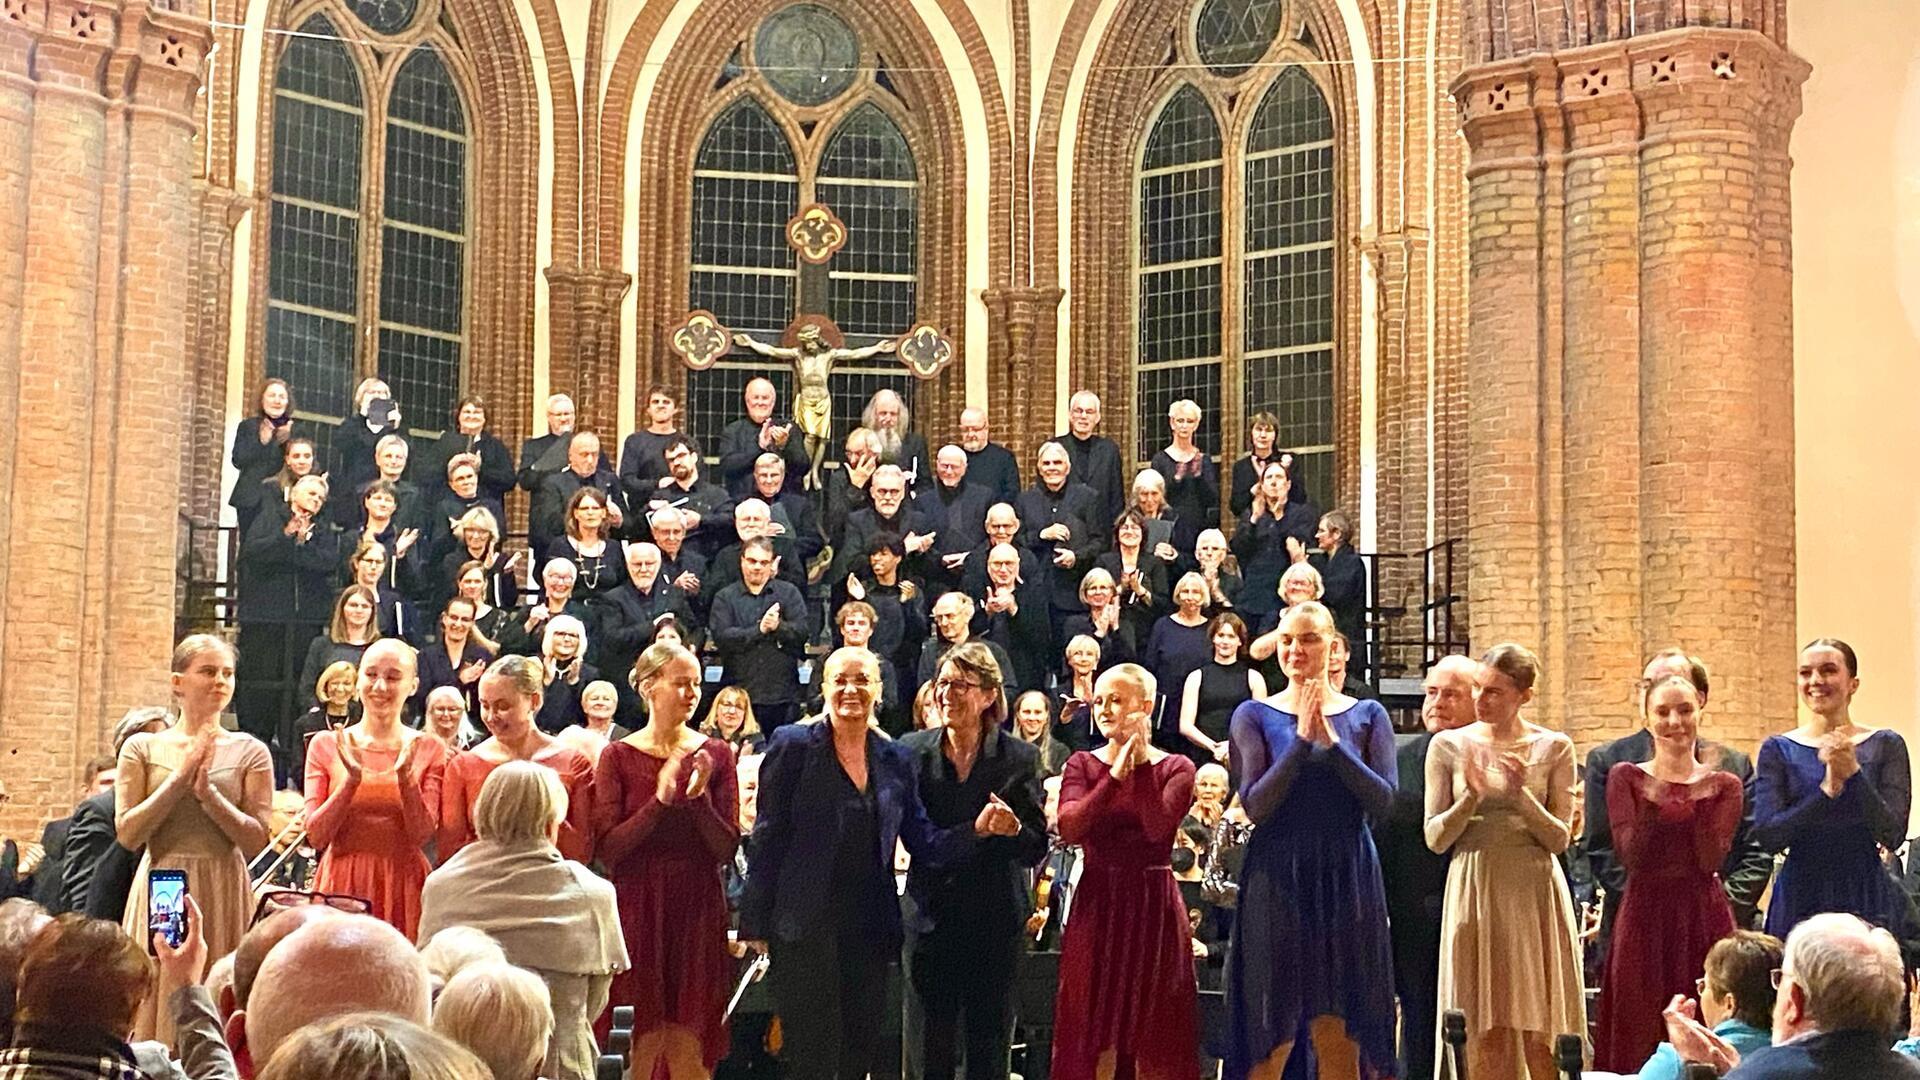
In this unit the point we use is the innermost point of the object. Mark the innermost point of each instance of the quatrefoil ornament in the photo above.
(925, 351)
(816, 233)
(700, 340)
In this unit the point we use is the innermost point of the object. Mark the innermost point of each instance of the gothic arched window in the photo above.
(367, 250)
(810, 115)
(1234, 263)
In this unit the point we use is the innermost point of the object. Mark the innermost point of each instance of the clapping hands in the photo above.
(1133, 754)
(1838, 753)
(996, 819)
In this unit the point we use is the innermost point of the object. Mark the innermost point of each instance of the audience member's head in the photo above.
(1738, 980)
(258, 941)
(20, 921)
(329, 968)
(747, 772)
(501, 1013)
(81, 974)
(372, 1046)
(521, 802)
(1839, 974)
(1671, 663)
(1448, 690)
(456, 948)
(140, 720)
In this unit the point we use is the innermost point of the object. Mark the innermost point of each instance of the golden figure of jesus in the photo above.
(813, 360)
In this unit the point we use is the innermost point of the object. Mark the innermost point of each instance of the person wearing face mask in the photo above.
(468, 436)
(666, 816)
(1673, 819)
(1012, 614)
(1310, 960)
(989, 465)
(259, 444)
(955, 508)
(643, 456)
(1127, 993)
(373, 794)
(510, 696)
(287, 568)
(835, 798)
(744, 441)
(1414, 875)
(761, 629)
(456, 660)
(563, 650)
(375, 416)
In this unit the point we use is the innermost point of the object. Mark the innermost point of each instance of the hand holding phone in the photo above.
(167, 907)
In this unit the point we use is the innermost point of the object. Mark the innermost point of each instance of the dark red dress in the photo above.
(666, 864)
(1671, 839)
(1126, 957)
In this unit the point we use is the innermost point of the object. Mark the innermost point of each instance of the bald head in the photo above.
(1448, 689)
(335, 966)
(260, 940)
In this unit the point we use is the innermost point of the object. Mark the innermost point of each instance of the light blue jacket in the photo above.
(1665, 1064)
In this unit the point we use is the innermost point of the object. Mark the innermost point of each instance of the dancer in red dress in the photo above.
(1127, 999)
(509, 699)
(1673, 821)
(666, 814)
(373, 794)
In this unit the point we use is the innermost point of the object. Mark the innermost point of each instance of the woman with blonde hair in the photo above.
(1499, 798)
(667, 819)
(503, 1014)
(731, 721)
(510, 694)
(1299, 584)
(1032, 716)
(336, 708)
(1105, 622)
(474, 537)
(549, 914)
(371, 1046)
(197, 798)
(373, 794)
(563, 654)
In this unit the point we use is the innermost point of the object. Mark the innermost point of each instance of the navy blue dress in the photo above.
(1833, 845)
(1310, 938)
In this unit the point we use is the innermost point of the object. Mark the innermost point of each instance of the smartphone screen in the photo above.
(167, 905)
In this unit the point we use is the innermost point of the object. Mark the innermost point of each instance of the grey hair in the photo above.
(500, 1012)
(520, 801)
(1850, 972)
(457, 948)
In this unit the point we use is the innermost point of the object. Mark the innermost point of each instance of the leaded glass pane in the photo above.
(422, 280)
(883, 226)
(868, 146)
(762, 303)
(1289, 299)
(424, 373)
(1293, 112)
(1297, 388)
(745, 139)
(317, 67)
(314, 353)
(742, 222)
(426, 179)
(1290, 199)
(1159, 388)
(875, 308)
(1232, 34)
(743, 267)
(424, 94)
(1184, 133)
(316, 152)
(385, 16)
(1180, 313)
(1180, 216)
(313, 261)
(808, 54)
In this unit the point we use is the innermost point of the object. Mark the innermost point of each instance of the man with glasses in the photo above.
(989, 465)
(703, 506)
(1095, 458)
(889, 512)
(952, 626)
(761, 629)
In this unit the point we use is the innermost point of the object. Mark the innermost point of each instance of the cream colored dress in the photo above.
(189, 840)
(1509, 945)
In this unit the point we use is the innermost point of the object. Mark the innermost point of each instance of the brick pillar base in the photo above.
(1630, 365)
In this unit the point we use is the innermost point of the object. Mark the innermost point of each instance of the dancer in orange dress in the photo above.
(509, 698)
(373, 793)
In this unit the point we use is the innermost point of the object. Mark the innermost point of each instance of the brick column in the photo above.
(1020, 374)
(21, 24)
(1630, 358)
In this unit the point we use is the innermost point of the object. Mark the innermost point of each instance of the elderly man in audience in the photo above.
(703, 506)
(955, 508)
(1096, 460)
(547, 514)
(847, 485)
(989, 465)
(1002, 526)
(761, 628)
(889, 513)
(954, 624)
(79, 985)
(626, 615)
(680, 565)
(1746, 870)
(544, 455)
(1415, 877)
(1012, 613)
(887, 416)
(1840, 990)
(551, 915)
(793, 513)
(743, 441)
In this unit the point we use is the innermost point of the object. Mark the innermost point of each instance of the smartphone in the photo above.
(167, 906)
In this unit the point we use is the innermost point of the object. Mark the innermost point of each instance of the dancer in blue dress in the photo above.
(1831, 794)
(1310, 956)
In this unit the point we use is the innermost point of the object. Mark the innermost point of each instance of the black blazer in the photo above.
(1854, 1055)
(988, 889)
(1344, 575)
(740, 448)
(1748, 867)
(47, 878)
(98, 872)
(993, 467)
(437, 669)
(798, 830)
(1415, 877)
(284, 580)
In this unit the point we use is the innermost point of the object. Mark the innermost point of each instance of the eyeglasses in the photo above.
(274, 901)
(1778, 976)
(955, 684)
(1700, 988)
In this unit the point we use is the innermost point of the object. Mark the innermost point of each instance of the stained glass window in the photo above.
(1178, 270)
(424, 246)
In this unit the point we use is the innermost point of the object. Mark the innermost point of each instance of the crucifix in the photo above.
(815, 234)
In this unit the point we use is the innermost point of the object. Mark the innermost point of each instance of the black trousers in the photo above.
(1416, 981)
(830, 990)
(960, 993)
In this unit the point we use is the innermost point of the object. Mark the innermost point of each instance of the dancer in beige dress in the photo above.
(1500, 797)
(197, 798)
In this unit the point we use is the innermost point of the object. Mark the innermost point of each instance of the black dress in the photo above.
(1222, 688)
